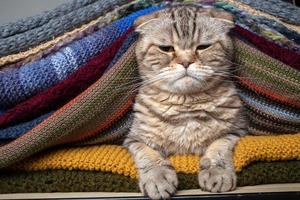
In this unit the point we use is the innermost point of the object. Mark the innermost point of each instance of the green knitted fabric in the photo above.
(93, 181)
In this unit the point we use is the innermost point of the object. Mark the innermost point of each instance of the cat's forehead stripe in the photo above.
(184, 22)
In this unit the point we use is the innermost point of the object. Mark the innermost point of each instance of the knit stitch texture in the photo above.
(270, 82)
(44, 49)
(256, 22)
(28, 23)
(58, 95)
(16, 131)
(87, 114)
(117, 159)
(256, 12)
(286, 56)
(290, 13)
(56, 26)
(17, 85)
(92, 120)
(97, 181)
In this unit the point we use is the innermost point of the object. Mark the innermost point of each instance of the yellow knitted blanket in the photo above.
(116, 159)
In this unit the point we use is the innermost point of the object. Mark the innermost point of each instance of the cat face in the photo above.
(184, 49)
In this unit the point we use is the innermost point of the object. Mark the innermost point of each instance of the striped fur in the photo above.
(187, 103)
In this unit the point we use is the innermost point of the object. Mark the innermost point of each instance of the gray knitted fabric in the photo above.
(56, 26)
(286, 11)
(28, 23)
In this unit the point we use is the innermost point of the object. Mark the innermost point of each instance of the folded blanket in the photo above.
(42, 50)
(56, 26)
(28, 23)
(17, 85)
(98, 181)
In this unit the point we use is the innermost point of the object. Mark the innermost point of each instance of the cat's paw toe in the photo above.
(217, 179)
(159, 183)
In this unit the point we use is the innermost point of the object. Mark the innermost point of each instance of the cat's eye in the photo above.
(203, 46)
(166, 48)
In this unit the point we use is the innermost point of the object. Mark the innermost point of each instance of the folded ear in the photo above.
(145, 19)
(224, 16)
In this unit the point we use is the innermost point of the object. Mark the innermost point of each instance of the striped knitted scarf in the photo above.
(107, 100)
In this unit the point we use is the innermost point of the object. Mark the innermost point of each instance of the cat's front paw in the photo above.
(217, 179)
(159, 182)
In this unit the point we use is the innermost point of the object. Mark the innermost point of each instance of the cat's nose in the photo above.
(186, 64)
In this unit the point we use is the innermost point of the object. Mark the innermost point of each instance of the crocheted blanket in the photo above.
(77, 88)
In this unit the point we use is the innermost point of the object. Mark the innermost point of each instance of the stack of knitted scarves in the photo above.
(110, 168)
(77, 88)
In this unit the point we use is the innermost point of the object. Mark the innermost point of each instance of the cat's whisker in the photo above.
(138, 83)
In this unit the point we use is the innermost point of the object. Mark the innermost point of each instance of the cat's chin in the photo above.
(185, 85)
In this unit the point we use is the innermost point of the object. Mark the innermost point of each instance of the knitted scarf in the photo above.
(259, 13)
(16, 131)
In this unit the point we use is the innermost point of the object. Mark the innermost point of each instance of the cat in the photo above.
(187, 103)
